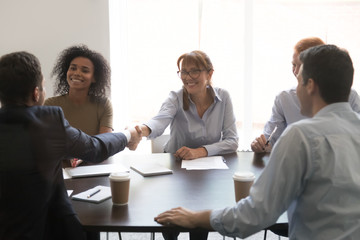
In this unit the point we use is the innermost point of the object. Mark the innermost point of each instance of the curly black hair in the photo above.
(102, 71)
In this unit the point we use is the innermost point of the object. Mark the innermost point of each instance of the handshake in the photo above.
(136, 134)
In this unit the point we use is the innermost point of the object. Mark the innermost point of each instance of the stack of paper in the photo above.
(214, 162)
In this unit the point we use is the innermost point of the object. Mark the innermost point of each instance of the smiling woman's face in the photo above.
(198, 84)
(80, 74)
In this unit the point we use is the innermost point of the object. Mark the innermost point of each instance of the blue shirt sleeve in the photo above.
(271, 194)
(354, 101)
(277, 119)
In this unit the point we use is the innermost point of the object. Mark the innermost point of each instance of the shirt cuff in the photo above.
(215, 221)
(211, 150)
(127, 134)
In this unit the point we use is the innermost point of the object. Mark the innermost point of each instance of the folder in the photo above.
(150, 169)
(95, 170)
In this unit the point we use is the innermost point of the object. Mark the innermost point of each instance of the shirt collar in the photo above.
(214, 92)
(217, 97)
(334, 107)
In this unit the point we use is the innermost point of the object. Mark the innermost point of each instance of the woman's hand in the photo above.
(75, 162)
(190, 153)
(136, 136)
(259, 145)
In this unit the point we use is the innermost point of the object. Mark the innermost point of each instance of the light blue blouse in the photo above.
(313, 173)
(216, 130)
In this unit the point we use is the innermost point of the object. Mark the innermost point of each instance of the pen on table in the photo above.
(267, 142)
(92, 194)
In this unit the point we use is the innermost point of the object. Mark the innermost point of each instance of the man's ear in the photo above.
(36, 94)
(311, 87)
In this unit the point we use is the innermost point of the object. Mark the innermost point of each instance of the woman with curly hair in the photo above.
(82, 82)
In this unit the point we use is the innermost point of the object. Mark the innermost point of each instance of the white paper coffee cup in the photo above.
(242, 184)
(120, 186)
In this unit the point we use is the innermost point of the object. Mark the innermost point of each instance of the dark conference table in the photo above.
(149, 196)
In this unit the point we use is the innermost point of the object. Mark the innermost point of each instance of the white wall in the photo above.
(46, 27)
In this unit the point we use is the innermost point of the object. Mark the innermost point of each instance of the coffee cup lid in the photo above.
(120, 176)
(244, 176)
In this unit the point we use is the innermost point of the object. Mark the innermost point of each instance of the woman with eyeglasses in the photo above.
(201, 117)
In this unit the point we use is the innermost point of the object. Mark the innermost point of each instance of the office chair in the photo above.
(157, 144)
(280, 229)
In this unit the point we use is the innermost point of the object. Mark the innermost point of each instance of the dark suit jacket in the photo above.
(33, 142)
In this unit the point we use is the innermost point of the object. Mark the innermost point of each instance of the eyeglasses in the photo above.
(193, 73)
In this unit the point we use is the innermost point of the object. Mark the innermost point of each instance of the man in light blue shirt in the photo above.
(286, 108)
(313, 171)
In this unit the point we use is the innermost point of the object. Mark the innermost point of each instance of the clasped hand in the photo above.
(136, 136)
(190, 153)
(259, 145)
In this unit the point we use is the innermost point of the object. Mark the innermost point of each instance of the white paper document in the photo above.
(214, 162)
(65, 174)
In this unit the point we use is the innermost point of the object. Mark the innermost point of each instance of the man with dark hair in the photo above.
(331, 69)
(313, 170)
(33, 141)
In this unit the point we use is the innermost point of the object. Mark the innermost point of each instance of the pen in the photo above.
(92, 194)
(267, 142)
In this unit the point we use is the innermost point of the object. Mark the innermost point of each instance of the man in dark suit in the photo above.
(33, 141)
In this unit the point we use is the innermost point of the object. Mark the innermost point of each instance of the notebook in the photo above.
(95, 170)
(96, 194)
(150, 169)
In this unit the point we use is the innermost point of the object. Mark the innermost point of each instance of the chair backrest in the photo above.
(157, 144)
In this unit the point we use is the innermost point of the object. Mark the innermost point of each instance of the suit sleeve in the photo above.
(92, 148)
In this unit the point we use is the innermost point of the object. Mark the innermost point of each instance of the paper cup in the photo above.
(120, 186)
(242, 184)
